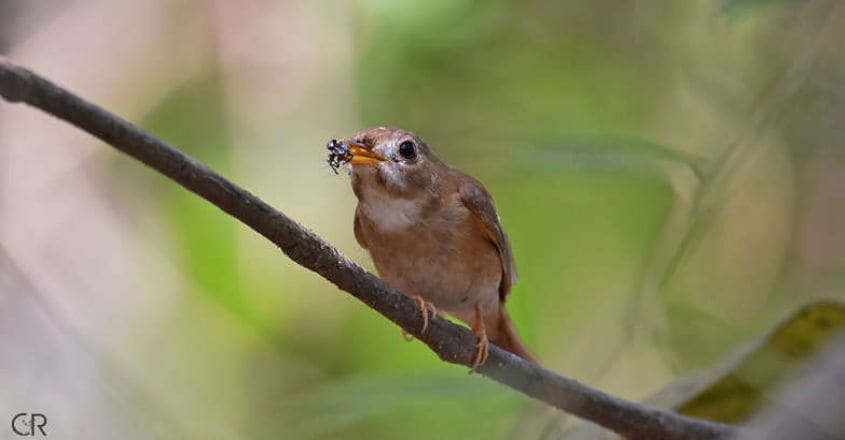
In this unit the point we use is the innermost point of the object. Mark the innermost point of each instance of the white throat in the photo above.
(390, 214)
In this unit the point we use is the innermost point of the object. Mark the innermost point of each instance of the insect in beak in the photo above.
(354, 153)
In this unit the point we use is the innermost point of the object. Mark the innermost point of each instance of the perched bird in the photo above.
(433, 233)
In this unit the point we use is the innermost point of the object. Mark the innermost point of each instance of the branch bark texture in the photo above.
(451, 342)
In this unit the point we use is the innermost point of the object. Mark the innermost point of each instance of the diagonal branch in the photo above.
(452, 343)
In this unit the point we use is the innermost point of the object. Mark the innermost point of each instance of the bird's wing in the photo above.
(359, 234)
(480, 205)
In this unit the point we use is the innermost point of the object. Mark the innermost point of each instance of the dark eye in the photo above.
(408, 150)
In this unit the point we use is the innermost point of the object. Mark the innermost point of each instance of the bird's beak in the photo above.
(361, 155)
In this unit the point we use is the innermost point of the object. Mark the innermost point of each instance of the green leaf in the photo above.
(747, 380)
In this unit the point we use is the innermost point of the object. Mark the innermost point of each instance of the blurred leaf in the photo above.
(735, 6)
(743, 383)
(602, 153)
(743, 386)
(340, 406)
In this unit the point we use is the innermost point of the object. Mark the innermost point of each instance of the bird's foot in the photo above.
(483, 344)
(425, 308)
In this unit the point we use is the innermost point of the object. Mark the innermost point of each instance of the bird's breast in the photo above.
(392, 214)
(434, 253)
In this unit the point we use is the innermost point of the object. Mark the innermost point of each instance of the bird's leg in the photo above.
(425, 308)
(481, 348)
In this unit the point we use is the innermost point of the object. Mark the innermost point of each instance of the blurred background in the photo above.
(671, 175)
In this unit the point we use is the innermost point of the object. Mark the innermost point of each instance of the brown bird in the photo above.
(433, 233)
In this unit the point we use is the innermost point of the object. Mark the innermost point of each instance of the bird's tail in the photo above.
(509, 339)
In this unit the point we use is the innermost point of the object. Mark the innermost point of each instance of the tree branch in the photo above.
(452, 343)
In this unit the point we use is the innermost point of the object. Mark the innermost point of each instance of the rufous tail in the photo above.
(509, 340)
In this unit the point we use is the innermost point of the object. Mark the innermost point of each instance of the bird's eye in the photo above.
(408, 150)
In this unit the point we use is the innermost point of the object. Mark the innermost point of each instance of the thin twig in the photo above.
(452, 343)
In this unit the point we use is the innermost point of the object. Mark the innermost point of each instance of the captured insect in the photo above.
(339, 154)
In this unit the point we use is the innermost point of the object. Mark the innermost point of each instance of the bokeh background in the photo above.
(671, 175)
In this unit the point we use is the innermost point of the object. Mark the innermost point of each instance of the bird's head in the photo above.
(393, 162)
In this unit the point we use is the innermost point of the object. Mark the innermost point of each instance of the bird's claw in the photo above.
(425, 308)
(481, 352)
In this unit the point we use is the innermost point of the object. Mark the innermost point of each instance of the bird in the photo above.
(433, 233)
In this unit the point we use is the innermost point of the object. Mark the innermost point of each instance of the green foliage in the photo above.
(193, 117)
(386, 405)
(750, 6)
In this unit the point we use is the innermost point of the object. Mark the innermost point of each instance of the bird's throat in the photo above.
(390, 214)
